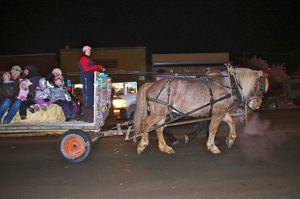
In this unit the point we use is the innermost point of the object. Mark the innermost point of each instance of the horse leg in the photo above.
(232, 133)
(145, 127)
(214, 124)
(143, 143)
(198, 127)
(162, 145)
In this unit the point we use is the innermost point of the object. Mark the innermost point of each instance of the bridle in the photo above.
(258, 90)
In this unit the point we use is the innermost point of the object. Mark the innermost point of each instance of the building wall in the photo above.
(189, 63)
(44, 62)
(190, 58)
(112, 59)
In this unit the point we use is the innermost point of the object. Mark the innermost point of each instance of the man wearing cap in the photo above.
(10, 103)
(87, 68)
(16, 72)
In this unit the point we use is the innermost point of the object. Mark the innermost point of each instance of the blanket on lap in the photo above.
(54, 113)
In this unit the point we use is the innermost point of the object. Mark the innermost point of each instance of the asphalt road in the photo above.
(263, 163)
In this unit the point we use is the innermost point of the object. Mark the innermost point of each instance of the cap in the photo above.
(6, 74)
(42, 79)
(56, 71)
(86, 48)
(25, 83)
(16, 68)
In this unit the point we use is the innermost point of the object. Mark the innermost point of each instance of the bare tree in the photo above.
(258, 64)
(278, 75)
(277, 72)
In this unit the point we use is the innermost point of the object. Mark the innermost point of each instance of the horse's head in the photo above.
(260, 88)
(252, 85)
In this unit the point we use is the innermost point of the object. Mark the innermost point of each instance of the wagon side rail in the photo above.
(100, 114)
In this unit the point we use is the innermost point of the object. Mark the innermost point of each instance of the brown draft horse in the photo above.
(155, 101)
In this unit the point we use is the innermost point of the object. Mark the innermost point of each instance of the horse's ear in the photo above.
(230, 68)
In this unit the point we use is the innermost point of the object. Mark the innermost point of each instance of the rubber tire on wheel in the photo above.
(74, 146)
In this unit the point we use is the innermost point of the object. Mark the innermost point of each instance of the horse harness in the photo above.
(179, 114)
(235, 87)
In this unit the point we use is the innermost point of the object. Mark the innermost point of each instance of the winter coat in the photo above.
(10, 90)
(34, 76)
(42, 93)
(59, 93)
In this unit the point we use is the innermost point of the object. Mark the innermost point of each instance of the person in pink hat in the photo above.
(87, 67)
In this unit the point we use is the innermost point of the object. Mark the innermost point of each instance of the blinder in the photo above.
(261, 87)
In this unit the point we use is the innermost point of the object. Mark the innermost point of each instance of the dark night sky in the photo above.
(162, 26)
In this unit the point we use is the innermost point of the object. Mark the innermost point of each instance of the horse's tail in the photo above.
(141, 107)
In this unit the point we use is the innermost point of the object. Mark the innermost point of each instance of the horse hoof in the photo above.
(214, 149)
(167, 150)
(217, 151)
(171, 151)
(139, 151)
(186, 138)
(229, 143)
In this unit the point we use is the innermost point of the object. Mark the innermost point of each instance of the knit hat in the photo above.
(86, 48)
(7, 74)
(16, 68)
(57, 72)
(42, 82)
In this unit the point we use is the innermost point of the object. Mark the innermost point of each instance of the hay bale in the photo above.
(54, 113)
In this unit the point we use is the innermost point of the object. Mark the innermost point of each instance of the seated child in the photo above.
(56, 72)
(24, 89)
(6, 77)
(61, 97)
(75, 101)
(42, 96)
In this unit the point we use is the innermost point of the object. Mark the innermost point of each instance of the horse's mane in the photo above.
(247, 80)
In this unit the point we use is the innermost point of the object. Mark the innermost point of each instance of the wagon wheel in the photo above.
(74, 146)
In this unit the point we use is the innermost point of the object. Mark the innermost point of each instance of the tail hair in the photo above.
(141, 107)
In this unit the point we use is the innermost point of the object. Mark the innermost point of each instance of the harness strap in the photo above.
(167, 86)
(211, 100)
(167, 83)
(193, 111)
(164, 103)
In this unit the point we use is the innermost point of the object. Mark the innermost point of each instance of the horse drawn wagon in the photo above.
(212, 96)
(75, 142)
